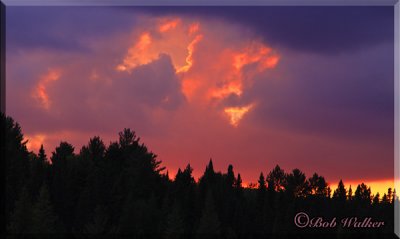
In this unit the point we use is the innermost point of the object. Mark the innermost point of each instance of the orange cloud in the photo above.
(40, 92)
(189, 58)
(189, 86)
(256, 53)
(137, 55)
(173, 39)
(169, 24)
(236, 113)
(194, 28)
(237, 77)
(233, 87)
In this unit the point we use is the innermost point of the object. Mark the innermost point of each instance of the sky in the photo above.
(302, 87)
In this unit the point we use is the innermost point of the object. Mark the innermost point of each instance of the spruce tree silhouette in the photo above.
(209, 225)
(174, 228)
(363, 194)
(42, 154)
(340, 193)
(44, 220)
(276, 179)
(17, 163)
(261, 189)
(296, 184)
(318, 186)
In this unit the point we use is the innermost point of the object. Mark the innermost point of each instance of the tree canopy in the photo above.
(123, 189)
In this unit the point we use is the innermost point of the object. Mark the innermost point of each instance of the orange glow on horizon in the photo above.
(35, 141)
(377, 186)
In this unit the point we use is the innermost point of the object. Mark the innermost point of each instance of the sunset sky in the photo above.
(303, 87)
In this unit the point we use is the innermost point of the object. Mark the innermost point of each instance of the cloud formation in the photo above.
(208, 85)
(181, 39)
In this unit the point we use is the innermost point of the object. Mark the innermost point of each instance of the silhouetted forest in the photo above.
(122, 189)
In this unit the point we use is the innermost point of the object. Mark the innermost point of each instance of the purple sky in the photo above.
(302, 87)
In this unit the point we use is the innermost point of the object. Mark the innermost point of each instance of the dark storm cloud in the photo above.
(317, 29)
(62, 28)
(155, 84)
(346, 96)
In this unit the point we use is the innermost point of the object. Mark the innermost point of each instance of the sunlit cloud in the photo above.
(189, 88)
(137, 55)
(167, 25)
(189, 58)
(256, 53)
(40, 92)
(236, 113)
(194, 28)
(171, 37)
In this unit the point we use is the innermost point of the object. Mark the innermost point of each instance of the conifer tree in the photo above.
(99, 222)
(230, 176)
(375, 201)
(39, 170)
(238, 186)
(21, 218)
(16, 158)
(340, 192)
(390, 194)
(174, 227)
(385, 199)
(261, 183)
(42, 154)
(350, 194)
(209, 225)
(363, 194)
(276, 179)
(44, 219)
(238, 182)
(296, 184)
(261, 189)
(318, 186)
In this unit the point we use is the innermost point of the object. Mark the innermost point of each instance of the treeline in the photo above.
(121, 189)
